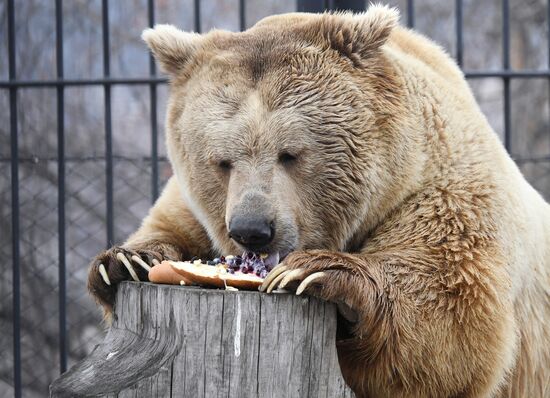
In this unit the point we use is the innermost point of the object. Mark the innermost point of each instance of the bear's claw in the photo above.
(122, 258)
(143, 264)
(295, 274)
(104, 275)
(275, 272)
(277, 280)
(310, 279)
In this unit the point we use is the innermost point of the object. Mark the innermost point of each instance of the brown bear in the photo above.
(355, 149)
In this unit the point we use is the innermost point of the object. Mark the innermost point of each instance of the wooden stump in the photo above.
(191, 342)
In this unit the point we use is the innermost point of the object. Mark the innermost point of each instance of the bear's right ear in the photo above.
(171, 47)
(356, 36)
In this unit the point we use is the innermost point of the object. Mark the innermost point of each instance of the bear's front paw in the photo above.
(115, 265)
(320, 273)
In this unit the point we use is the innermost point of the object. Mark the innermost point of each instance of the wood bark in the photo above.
(192, 342)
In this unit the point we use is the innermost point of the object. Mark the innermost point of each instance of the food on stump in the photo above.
(163, 273)
(245, 272)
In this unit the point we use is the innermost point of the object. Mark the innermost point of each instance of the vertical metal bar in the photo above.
(63, 346)
(108, 124)
(506, 67)
(410, 13)
(14, 148)
(197, 16)
(242, 15)
(349, 5)
(153, 110)
(459, 22)
(311, 5)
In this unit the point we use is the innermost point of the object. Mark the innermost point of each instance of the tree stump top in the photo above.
(193, 342)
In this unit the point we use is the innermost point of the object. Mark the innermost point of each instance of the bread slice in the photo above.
(215, 275)
(165, 274)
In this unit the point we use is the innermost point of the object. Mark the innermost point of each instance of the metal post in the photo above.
(198, 16)
(63, 346)
(349, 5)
(324, 5)
(410, 13)
(108, 124)
(506, 79)
(153, 110)
(14, 148)
(242, 15)
(459, 38)
(311, 5)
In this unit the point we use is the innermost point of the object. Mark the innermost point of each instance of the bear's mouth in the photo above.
(270, 261)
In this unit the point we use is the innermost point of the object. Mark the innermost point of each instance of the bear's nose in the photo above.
(251, 232)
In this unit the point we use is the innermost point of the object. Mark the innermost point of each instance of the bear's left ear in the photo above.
(359, 36)
(171, 47)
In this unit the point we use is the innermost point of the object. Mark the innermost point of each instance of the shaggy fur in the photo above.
(365, 144)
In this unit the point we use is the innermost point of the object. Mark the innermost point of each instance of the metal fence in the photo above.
(107, 82)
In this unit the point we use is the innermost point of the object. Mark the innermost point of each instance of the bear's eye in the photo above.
(225, 165)
(287, 158)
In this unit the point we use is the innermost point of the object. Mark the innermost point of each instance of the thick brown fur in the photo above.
(397, 189)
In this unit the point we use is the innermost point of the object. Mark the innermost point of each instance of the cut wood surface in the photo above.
(192, 342)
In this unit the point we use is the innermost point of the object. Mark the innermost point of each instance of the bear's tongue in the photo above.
(270, 261)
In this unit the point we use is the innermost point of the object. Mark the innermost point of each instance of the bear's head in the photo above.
(288, 135)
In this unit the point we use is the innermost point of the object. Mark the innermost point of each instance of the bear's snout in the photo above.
(252, 222)
(253, 231)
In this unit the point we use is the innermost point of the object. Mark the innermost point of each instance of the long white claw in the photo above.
(291, 276)
(122, 258)
(103, 273)
(272, 275)
(306, 282)
(143, 264)
(155, 262)
(273, 284)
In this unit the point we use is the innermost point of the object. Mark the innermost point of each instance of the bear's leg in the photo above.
(422, 329)
(169, 232)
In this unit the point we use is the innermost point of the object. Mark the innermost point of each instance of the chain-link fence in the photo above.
(81, 143)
